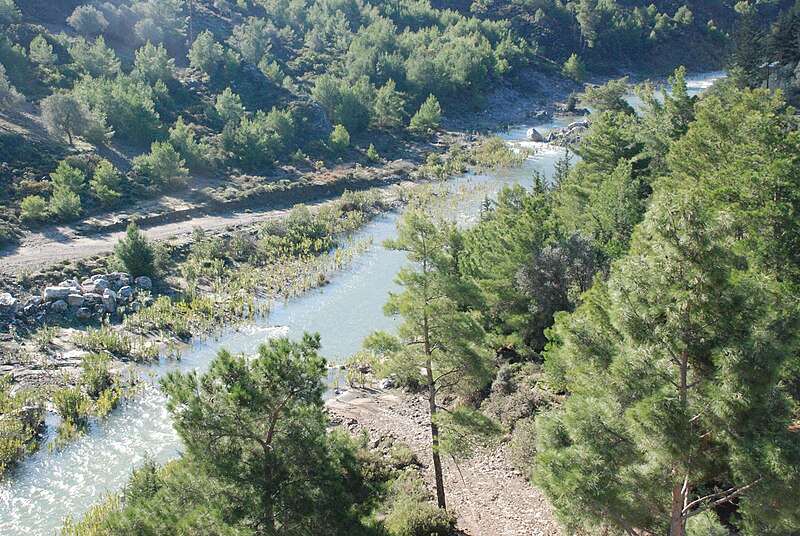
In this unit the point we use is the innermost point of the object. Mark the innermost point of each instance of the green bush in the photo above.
(135, 252)
(163, 167)
(428, 117)
(340, 139)
(33, 208)
(412, 518)
(96, 373)
(72, 404)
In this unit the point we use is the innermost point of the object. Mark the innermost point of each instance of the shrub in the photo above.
(9, 96)
(428, 117)
(96, 373)
(71, 404)
(33, 208)
(105, 183)
(412, 518)
(65, 204)
(87, 20)
(575, 68)
(372, 154)
(135, 252)
(65, 115)
(162, 166)
(340, 139)
(9, 12)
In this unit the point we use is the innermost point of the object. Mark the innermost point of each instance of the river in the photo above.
(47, 487)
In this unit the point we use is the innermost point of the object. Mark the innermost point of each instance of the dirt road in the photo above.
(52, 245)
(485, 493)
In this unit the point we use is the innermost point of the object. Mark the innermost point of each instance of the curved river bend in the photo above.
(47, 487)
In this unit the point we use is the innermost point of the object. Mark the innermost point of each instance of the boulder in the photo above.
(100, 309)
(143, 282)
(69, 283)
(59, 306)
(100, 285)
(8, 303)
(84, 313)
(30, 310)
(110, 300)
(56, 293)
(75, 300)
(125, 293)
(534, 135)
(91, 298)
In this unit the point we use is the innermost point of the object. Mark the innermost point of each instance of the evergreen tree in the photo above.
(206, 54)
(152, 64)
(340, 139)
(229, 106)
(438, 333)
(676, 406)
(428, 117)
(135, 252)
(389, 106)
(9, 96)
(575, 68)
(748, 53)
(41, 52)
(105, 183)
(162, 166)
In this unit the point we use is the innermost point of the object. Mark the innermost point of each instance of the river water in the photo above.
(47, 487)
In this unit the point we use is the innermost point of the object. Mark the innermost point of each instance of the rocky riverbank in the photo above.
(487, 495)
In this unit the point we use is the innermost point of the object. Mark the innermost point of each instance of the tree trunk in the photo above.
(677, 524)
(437, 462)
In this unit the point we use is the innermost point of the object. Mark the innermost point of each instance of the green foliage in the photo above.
(428, 117)
(41, 52)
(96, 375)
(389, 102)
(9, 12)
(575, 68)
(339, 139)
(9, 96)
(135, 252)
(97, 60)
(676, 330)
(72, 405)
(87, 20)
(33, 208)
(257, 142)
(229, 106)
(65, 115)
(372, 154)
(152, 64)
(68, 183)
(20, 423)
(610, 97)
(105, 183)
(184, 140)
(162, 167)
(206, 54)
(349, 105)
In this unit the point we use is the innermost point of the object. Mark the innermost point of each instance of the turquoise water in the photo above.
(47, 487)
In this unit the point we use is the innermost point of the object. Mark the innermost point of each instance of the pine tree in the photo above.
(105, 183)
(676, 406)
(389, 106)
(438, 333)
(135, 252)
(428, 117)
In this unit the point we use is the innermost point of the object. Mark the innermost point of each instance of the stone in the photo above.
(100, 285)
(8, 302)
(30, 310)
(84, 313)
(135, 306)
(100, 308)
(110, 300)
(75, 300)
(56, 293)
(69, 283)
(534, 135)
(92, 298)
(59, 306)
(148, 301)
(143, 282)
(125, 293)
(33, 300)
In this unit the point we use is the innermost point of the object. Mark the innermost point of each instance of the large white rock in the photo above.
(75, 300)
(8, 302)
(110, 300)
(534, 135)
(56, 293)
(59, 306)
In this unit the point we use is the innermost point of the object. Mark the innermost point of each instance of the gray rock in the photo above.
(30, 310)
(92, 298)
(386, 383)
(143, 282)
(56, 293)
(100, 308)
(75, 300)
(69, 283)
(135, 306)
(59, 306)
(148, 301)
(125, 293)
(100, 285)
(84, 313)
(33, 300)
(8, 303)
(110, 300)
(534, 135)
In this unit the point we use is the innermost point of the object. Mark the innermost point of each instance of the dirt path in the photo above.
(486, 494)
(43, 248)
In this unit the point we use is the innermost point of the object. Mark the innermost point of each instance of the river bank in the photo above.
(46, 488)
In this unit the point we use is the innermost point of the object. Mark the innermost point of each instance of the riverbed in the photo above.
(47, 487)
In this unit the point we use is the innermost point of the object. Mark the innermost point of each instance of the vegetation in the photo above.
(135, 253)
